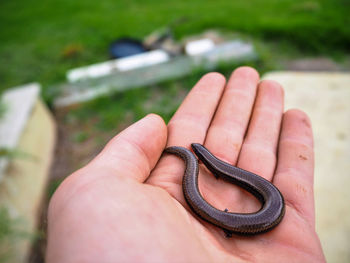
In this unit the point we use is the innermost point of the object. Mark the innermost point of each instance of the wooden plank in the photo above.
(74, 93)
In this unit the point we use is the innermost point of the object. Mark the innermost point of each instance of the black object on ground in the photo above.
(125, 47)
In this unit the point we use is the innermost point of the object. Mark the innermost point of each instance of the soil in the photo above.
(312, 64)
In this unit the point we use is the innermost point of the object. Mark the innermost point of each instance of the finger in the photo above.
(229, 125)
(258, 153)
(134, 152)
(294, 173)
(191, 121)
(226, 133)
(189, 124)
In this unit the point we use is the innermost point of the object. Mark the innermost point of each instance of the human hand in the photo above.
(128, 206)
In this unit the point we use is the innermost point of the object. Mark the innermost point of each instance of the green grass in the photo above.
(128, 106)
(7, 234)
(41, 41)
(10, 234)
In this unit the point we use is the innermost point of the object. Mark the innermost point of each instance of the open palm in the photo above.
(127, 205)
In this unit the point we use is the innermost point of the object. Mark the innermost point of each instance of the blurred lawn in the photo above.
(40, 41)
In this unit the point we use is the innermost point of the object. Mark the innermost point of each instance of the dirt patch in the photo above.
(73, 152)
(312, 64)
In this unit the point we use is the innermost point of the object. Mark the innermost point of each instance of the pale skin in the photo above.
(127, 204)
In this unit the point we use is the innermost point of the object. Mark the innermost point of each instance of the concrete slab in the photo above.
(19, 103)
(325, 97)
(117, 65)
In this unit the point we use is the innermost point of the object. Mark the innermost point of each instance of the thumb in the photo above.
(134, 152)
